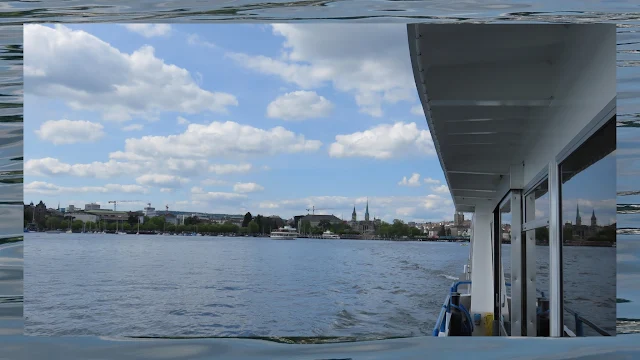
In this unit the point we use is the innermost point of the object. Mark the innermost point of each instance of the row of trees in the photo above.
(326, 225)
(399, 229)
(260, 224)
(149, 224)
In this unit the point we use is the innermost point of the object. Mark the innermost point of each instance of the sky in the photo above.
(271, 119)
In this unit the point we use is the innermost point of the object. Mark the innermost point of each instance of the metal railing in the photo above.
(579, 320)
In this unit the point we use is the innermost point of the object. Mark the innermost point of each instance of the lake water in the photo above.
(85, 284)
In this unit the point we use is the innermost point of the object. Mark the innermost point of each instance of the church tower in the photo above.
(366, 212)
(593, 218)
(578, 218)
(353, 214)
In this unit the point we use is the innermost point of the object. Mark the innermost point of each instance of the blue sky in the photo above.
(272, 120)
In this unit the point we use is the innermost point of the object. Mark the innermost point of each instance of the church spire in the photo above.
(594, 220)
(353, 214)
(366, 212)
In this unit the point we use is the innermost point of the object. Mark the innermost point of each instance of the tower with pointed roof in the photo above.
(366, 212)
(353, 214)
(594, 220)
(578, 218)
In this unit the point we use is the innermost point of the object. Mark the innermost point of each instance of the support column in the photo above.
(529, 270)
(517, 276)
(482, 265)
(555, 254)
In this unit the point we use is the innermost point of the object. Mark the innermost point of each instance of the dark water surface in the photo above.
(79, 284)
(214, 286)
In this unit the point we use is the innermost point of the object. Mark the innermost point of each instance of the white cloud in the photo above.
(203, 195)
(424, 208)
(89, 74)
(166, 190)
(185, 166)
(213, 182)
(414, 180)
(166, 181)
(44, 188)
(52, 167)
(150, 30)
(384, 142)
(170, 169)
(440, 189)
(133, 127)
(64, 132)
(417, 110)
(247, 187)
(218, 139)
(405, 211)
(370, 61)
(196, 40)
(222, 169)
(182, 121)
(299, 105)
(429, 180)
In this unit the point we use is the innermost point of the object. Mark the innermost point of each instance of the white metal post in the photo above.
(529, 259)
(516, 263)
(555, 254)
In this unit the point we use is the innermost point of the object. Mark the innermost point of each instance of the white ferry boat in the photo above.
(329, 235)
(285, 233)
(514, 111)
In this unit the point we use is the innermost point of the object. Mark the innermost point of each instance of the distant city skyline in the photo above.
(273, 120)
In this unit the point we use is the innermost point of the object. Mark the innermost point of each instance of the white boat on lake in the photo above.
(329, 235)
(285, 233)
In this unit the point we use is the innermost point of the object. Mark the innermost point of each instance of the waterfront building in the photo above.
(149, 211)
(366, 226)
(92, 206)
(315, 220)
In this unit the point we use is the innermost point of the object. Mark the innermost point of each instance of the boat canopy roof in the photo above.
(499, 108)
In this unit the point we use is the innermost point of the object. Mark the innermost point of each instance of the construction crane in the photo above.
(115, 202)
(313, 210)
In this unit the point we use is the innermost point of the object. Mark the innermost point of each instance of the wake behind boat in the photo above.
(285, 233)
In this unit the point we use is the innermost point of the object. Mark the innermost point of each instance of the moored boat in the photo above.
(329, 235)
(285, 233)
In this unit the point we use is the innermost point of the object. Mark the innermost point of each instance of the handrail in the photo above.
(440, 322)
(579, 320)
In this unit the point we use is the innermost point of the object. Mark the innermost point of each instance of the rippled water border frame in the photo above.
(18, 346)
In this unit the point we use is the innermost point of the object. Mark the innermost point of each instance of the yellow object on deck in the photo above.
(488, 324)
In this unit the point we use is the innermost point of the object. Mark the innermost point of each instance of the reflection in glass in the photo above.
(588, 192)
(540, 196)
(505, 230)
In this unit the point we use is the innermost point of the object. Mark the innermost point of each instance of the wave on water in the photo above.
(628, 208)
(628, 231)
(626, 326)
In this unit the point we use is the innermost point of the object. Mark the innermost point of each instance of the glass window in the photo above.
(588, 198)
(539, 199)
